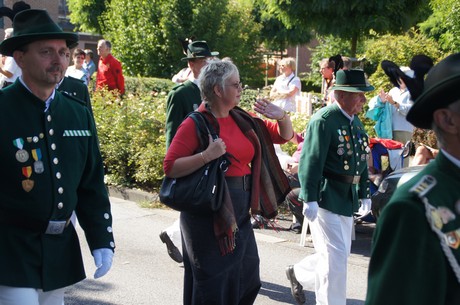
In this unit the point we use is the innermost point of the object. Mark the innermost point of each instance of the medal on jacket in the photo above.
(38, 164)
(21, 155)
(27, 184)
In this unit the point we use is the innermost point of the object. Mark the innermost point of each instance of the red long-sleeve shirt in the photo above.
(186, 142)
(110, 74)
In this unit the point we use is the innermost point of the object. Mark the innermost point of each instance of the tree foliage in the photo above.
(274, 34)
(84, 14)
(444, 24)
(145, 34)
(348, 19)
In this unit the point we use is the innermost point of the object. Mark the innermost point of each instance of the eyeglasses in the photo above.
(238, 85)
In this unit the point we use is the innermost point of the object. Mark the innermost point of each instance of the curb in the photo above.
(137, 196)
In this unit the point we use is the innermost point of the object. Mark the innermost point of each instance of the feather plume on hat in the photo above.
(17, 7)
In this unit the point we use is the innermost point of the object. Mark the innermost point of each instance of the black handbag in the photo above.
(203, 189)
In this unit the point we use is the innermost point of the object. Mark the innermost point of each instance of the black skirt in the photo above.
(209, 277)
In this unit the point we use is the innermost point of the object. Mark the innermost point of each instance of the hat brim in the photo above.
(197, 57)
(353, 88)
(8, 46)
(440, 96)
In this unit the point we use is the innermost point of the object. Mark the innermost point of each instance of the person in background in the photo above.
(51, 166)
(400, 100)
(77, 70)
(287, 86)
(333, 178)
(9, 70)
(109, 71)
(182, 75)
(416, 246)
(183, 99)
(221, 262)
(89, 64)
(327, 72)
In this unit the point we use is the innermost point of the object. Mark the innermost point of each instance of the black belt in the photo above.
(241, 182)
(342, 178)
(52, 227)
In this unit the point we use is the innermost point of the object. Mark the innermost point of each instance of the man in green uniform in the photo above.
(182, 100)
(333, 178)
(51, 166)
(416, 246)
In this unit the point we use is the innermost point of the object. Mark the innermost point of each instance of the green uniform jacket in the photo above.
(332, 144)
(182, 100)
(408, 265)
(77, 89)
(70, 178)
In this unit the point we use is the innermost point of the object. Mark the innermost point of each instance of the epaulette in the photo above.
(66, 94)
(423, 186)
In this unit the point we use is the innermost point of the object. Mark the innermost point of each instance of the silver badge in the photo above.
(341, 139)
(340, 151)
(38, 167)
(22, 155)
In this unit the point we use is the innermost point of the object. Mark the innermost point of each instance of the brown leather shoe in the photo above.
(296, 287)
(173, 252)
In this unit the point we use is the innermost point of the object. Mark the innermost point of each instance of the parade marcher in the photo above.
(51, 166)
(333, 180)
(416, 245)
(183, 99)
(221, 261)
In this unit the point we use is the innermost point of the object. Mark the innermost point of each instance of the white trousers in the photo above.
(326, 270)
(174, 234)
(30, 296)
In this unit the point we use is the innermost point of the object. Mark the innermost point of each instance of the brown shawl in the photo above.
(269, 183)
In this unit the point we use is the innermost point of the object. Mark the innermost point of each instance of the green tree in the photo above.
(444, 24)
(84, 14)
(274, 34)
(145, 36)
(352, 19)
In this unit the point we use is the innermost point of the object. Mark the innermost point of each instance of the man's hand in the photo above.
(310, 210)
(365, 206)
(103, 260)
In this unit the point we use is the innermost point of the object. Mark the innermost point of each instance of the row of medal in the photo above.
(344, 137)
(23, 156)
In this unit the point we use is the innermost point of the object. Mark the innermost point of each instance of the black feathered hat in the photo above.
(440, 89)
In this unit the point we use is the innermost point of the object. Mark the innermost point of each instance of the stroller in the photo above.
(387, 156)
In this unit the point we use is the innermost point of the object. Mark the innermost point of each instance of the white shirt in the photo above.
(10, 66)
(286, 83)
(398, 115)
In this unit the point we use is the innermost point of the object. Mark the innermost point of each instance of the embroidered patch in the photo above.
(77, 133)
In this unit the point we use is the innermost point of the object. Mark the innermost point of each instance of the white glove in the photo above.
(365, 206)
(310, 210)
(103, 260)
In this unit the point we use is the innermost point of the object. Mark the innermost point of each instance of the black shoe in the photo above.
(173, 252)
(296, 288)
(296, 228)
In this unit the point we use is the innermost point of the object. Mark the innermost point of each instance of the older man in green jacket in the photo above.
(334, 180)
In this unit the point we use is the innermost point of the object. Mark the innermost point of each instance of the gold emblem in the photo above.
(27, 185)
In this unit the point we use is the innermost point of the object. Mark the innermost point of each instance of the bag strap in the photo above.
(203, 128)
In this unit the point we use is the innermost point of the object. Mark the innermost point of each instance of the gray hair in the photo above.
(215, 73)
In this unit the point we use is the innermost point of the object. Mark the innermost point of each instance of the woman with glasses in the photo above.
(221, 260)
(77, 70)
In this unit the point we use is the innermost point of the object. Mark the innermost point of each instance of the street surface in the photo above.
(143, 274)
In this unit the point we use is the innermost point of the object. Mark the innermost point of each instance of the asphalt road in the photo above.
(143, 273)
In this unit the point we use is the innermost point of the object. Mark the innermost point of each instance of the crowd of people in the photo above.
(48, 181)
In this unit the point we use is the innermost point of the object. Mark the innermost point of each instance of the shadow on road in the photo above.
(91, 287)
